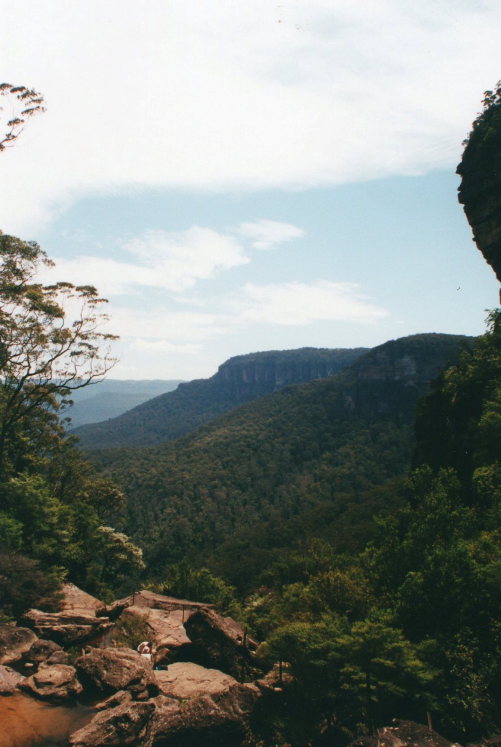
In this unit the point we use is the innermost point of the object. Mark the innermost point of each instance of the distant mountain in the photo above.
(111, 397)
(241, 379)
(318, 459)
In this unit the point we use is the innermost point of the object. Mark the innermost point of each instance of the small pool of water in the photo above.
(26, 722)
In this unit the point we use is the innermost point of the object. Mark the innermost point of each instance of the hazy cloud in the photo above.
(303, 303)
(266, 234)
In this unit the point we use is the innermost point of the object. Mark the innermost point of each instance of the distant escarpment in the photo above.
(240, 379)
(480, 189)
(308, 459)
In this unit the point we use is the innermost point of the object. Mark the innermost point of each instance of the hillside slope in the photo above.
(238, 380)
(310, 454)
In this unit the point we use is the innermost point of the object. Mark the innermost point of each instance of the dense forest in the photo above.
(357, 537)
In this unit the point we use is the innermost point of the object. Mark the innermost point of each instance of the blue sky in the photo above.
(250, 176)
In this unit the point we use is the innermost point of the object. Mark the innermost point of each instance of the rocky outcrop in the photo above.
(9, 680)
(221, 640)
(188, 680)
(76, 622)
(14, 643)
(480, 189)
(53, 682)
(108, 670)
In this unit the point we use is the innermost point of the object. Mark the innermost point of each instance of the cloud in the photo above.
(228, 94)
(266, 234)
(303, 303)
(172, 261)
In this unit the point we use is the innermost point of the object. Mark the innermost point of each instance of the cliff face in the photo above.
(480, 189)
(247, 377)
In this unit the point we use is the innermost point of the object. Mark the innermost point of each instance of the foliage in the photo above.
(21, 103)
(50, 345)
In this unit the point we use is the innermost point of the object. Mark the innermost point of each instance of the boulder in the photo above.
(210, 719)
(107, 670)
(128, 724)
(53, 682)
(14, 643)
(221, 639)
(188, 680)
(77, 602)
(9, 680)
(45, 651)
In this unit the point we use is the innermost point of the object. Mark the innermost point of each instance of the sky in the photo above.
(240, 176)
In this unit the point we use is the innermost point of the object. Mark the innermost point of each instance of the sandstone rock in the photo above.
(210, 719)
(9, 680)
(46, 651)
(188, 680)
(14, 643)
(78, 602)
(127, 724)
(54, 682)
(108, 670)
(66, 627)
(221, 639)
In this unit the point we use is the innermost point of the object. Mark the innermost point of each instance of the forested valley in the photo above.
(352, 524)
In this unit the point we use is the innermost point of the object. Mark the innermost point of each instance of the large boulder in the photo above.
(127, 724)
(14, 643)
(108, 670)
(188, 680)
(9, 680)
(53, 682)
(222, 640)
(220, 719)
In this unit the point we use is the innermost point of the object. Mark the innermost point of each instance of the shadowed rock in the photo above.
(221, 639)
(480, 189)
(14, 643)
(128, 724)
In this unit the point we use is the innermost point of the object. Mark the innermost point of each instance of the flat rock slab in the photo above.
(188, 680)
(14, 643)
(54, 682)
(9, 680)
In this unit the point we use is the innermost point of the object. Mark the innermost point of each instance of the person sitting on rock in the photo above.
(144, 649)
